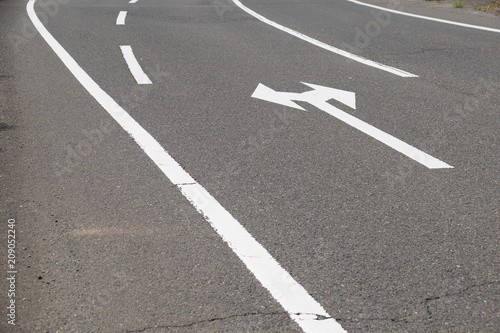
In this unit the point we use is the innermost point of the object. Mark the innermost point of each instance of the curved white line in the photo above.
(427, 17)
(296, 301)
(325, 46)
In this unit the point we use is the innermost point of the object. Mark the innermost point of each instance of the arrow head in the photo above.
(267, 94)
(323, 94)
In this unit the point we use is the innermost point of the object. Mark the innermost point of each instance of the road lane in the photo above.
(89, 264)
(382, 246)
(294, 299)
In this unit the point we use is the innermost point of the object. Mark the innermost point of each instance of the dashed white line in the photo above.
(300, 306)
(325, 46)
(426, 17)
(134, 66)
(133, 1)
(120, 20)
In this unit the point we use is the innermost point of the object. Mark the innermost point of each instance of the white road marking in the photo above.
(319, 97)
(325, 46)
(300, 306)
(120, 20)
(134, 66)
(426, 17)
(133, 1)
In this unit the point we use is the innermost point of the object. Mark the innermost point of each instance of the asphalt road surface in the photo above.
(164, 168)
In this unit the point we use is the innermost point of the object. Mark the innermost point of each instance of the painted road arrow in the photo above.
(320, 96)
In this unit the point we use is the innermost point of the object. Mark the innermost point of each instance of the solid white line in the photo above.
(325, 46)
(120, 20)
(291, 295)
(300, 306)
(427, 17)
(134, 66)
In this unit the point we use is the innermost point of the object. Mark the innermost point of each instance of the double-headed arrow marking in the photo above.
(319, 97)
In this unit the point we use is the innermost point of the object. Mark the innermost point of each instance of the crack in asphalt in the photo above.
(426, 50)
(426, 303)
(318, 317)
(321, 317)
(357, 320)
(208, 321)
(458, 293)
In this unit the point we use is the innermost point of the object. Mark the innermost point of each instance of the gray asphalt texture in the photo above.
(105, 243)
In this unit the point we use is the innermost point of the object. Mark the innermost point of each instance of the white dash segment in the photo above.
(133, 1)
(134, 66)
(325, 46)
(120, 20)
(428, 18)
(296, 301)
